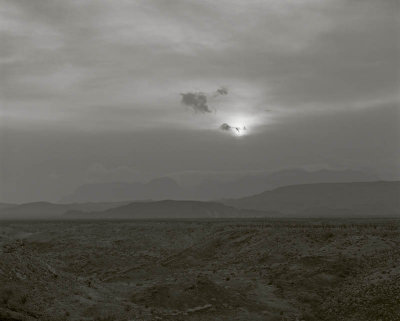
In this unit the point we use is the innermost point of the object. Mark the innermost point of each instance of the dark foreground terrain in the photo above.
(200, 270)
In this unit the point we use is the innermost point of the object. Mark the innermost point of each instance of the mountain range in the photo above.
(328, 199)
(356, 199)
(168, 188)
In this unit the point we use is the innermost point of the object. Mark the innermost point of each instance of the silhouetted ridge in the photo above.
(326, 199)
(172, 209)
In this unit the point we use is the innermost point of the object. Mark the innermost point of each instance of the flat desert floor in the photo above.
(200, 270)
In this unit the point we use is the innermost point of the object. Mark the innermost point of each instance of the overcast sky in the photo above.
(125, 90)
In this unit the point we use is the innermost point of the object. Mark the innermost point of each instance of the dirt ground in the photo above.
(200, 270)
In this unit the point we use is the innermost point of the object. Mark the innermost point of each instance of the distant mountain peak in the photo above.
(210, 188)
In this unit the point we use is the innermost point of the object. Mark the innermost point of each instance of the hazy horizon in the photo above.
(195, 185)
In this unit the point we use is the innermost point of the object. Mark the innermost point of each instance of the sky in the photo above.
(129, 90)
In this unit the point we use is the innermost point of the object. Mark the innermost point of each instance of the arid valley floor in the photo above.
(200, 270)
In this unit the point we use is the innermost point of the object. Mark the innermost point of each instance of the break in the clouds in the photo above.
(80, 70)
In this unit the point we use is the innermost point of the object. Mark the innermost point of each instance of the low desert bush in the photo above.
(23, 299)
(5, 295)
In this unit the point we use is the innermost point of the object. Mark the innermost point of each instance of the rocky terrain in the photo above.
(200, 270)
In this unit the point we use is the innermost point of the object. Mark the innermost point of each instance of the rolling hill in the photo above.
(172, 209)
(46, 210)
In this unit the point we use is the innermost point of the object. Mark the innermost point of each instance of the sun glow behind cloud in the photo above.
(242, 124)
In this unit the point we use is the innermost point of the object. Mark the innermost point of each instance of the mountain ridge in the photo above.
(368, 199)
(209, 189)
(371, 198)
(173, 209)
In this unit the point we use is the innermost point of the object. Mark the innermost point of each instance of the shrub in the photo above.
(6, 295)
(23, 299)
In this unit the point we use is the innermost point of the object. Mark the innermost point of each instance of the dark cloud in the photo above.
(221, 91)
(197, 101)
(227, 127)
